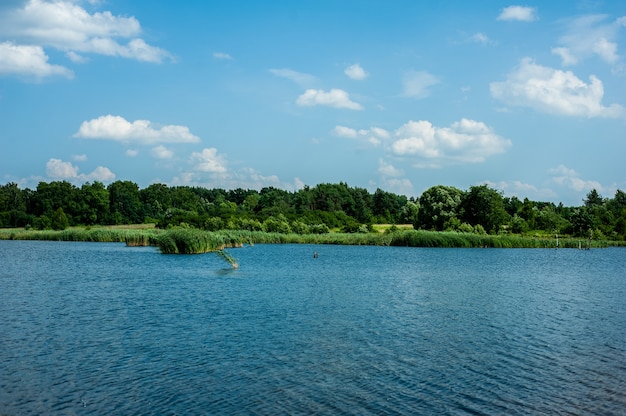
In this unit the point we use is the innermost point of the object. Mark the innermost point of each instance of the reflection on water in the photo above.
(103, 328)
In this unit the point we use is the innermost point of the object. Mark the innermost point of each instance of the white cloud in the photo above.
(28, 60)
(519, 13)
(587, 36)
(57, 169)
(334, 98)
(66, 26)
(76, 58)
(162, 152)
(400, 186)
(246, 178)
(132, 152)
(569, 178)
(554, 91)
(523, 190)
(101, 174)
(300, 78)
(343, 131)
(222, 55)
(465, 141)
(380, 133)
(140, 131)
(79, 158)
(298, 183)
(387, 169)
(355, 72)
(417, 84)
(208, 161)
(373, 136)
(480, 38)
(567, 58)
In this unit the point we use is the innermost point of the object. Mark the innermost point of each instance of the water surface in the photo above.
(98, 328)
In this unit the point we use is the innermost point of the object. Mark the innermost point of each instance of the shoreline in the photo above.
(191, 240)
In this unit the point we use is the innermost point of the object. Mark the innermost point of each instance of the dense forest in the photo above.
(310, 210)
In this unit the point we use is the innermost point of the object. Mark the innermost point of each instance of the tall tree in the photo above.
(124, 202)
(438, 205)
(94, 203)
(485, 206)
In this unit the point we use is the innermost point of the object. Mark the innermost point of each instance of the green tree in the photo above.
(485, 206)
(409, 213)
(94, 199)
(593, 198)
(581, 222)
(438, 205)
(58, 194)
(124, 203)
(156, 200)
(528, 213)
(59, 220)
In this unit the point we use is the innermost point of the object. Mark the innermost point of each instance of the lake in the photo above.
(101, 328)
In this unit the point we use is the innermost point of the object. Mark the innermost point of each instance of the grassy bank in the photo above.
(192, 241)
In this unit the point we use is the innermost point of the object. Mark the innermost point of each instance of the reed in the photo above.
(189, 241)
(230, 259)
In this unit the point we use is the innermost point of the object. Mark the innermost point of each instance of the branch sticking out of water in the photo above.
(230, 259)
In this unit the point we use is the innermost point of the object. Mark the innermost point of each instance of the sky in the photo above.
(528, 98)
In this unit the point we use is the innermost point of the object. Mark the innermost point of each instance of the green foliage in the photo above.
(438, 205)
(278, 224)
(310, 210)
(518, 225)
(59, 220)
(485, 206)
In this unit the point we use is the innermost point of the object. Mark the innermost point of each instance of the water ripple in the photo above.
(105, 329)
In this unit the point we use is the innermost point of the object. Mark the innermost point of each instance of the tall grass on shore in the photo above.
(192, 241)
(100, 235)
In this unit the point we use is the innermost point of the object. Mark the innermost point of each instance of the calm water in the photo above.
(96, 328)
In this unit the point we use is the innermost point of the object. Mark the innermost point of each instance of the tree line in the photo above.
(318, 209)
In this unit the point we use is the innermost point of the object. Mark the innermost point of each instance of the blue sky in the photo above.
(403, 95)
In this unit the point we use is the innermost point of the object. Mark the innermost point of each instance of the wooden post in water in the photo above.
(557, 241)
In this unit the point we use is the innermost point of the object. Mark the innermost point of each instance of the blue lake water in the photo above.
(98, 328)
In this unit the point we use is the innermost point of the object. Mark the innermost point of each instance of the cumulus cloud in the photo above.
(162, 152)
(554, 91)
(208, 161)
(66, 26)
(60, 170)
(355, 72)
(587, 36)
(334, 98)
(519, 13)
(569, 178)
(465, 141)
(300, 78)
(417, 84)
(373, 135)
(117, 128)
(28, 60)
